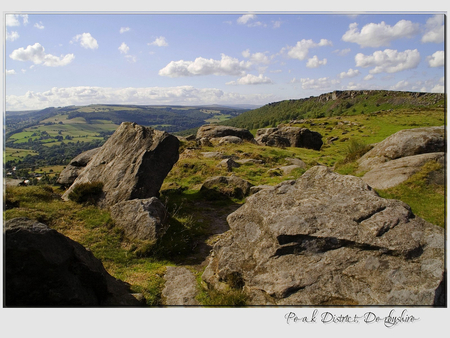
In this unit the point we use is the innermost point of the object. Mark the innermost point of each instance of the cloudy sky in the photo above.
(239, 58)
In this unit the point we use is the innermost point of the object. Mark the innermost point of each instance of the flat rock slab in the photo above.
(180, 288)
(392, 173)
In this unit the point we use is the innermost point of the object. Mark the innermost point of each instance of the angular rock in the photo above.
(180, 287)
(133, 163)
(213, 154)
(228, 163)
(296, 161)
(204, 142)
(143, 219)
(249, 161)
(289, 168)
(44, 268)
(72, 170)
(231, 186)
(289, 137)
(404, 143)
(392, 173)
(329, 239)
(258, 188)
(212, 131)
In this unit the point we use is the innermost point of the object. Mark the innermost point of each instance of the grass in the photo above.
(12, 154)
(426, 200)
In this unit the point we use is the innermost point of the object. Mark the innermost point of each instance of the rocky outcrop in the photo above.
(45, 268)
(180, 287)
(143, 219)
(214, 131)
(404, 143)
(329, 239)
(230, 140)
(132, 164)
(392, 173)
(72, 170)
(289, 137)
(230, 186)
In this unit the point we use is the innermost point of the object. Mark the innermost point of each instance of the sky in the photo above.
(64, 58)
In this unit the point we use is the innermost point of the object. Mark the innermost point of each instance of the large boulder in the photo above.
(210, 131)
(289, 137)
(143, 219)
(404, 143)
(230, 186)
(45, 268)
(180, 288)
(133, 163)
(72, 170)
(392, 173)
(329, 239)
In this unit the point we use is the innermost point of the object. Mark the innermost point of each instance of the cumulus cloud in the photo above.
(14, 19)
(10, 72)
(401, 85)
(314, 62)
(276, 24)
(438, 88)
(86, 41)
(130, 58)
(388, 61)
(437, 59)
(11, 36)
(244, 19)
(258, 58)
(124, 29)
(201, 66)
(182, 95)
(321, 83)
(160, 42)
(377, 35)
(39, 25)
(124, 48)
(36, 54)
(368, 77)
(301, 49)
(349, 74)
(250, 79)
(434, 29)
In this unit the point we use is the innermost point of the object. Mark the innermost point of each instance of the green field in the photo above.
(11, 154)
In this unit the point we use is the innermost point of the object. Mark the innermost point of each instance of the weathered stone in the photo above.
(180, 287)
(329, 239)
(258, 188)
(46, 268)
(143, 219)
(392, 173)
(404, 143)
(212, 131)
(229, 164)
(289, 137)
(231, 186)
(133, 163)
(205, 142)
(72, 170)
(290, 168)
(250, 161)
(213, 154)
(296, 161)
(230, 140)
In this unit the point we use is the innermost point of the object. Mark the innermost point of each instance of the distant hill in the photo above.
(337, 103)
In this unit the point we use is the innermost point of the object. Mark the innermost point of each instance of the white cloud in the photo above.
(314, 62)
(10, 72)
(321, 83)
(124, 29)
(39, 25)
(342, 52)
(14, 19)
(182, 95)
(276, 24)
(131, 58)
(160, 42)
(434, 29)
(388, 61)
(36, 54)
(250, 79)
(258, 58)
(438, 88)
(11, 36)
(437, 59)
(401, 85)
(124, 48)
(376, 35)
(349, 74)
(368, 77)
(242, 20)
(86, 41)
(301, 49)
(201, 66)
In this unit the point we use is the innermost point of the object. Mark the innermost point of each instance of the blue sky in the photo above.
(62, 59)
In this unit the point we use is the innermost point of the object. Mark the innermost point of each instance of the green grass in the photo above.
(12, 154)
